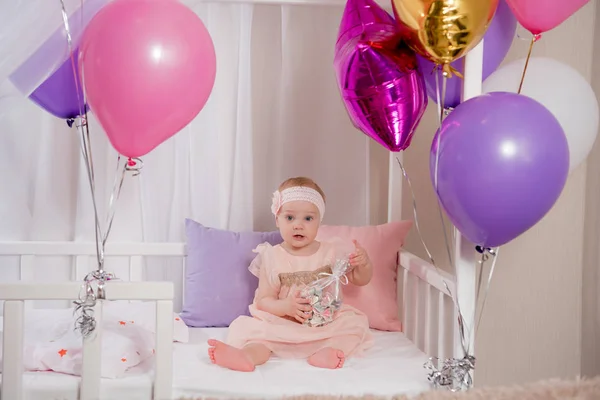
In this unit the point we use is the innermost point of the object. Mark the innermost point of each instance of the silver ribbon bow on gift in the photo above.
(453, 374)
(338, 275)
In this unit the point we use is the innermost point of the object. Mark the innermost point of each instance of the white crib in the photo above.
(428, 313)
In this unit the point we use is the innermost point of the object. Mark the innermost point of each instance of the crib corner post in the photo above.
(12, 348)
(465, 254)
(92, 359)
(163, 378)
(465, 294)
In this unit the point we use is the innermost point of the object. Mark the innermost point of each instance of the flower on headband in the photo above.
(276, 205)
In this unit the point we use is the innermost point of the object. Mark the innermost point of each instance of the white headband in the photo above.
(298, 193)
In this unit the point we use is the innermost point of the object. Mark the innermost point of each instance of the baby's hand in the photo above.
(359, 259)
(297, 306)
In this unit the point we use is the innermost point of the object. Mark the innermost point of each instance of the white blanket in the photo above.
(52, 344)
(394, 366)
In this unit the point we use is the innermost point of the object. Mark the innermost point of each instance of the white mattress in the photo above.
(393, 366)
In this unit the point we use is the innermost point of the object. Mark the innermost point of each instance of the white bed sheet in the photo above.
(393, 366)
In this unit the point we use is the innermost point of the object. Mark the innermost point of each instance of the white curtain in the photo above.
(275, 112)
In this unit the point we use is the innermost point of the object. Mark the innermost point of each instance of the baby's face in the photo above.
(298, 222)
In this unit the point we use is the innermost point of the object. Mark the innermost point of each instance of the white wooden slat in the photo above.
(136, 268)
(410, 306)
(414, 284)
(163, 377)
(115, 290)
(136, 271)
(27, 268)
(405, 304)
(421, 310)
(442, 332)
(27, 274)
(89, 248)
(432, 315)
(92, 360)
(82, 267)
(451, 325)
(12, 346)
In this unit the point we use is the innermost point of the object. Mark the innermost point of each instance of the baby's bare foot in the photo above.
(327, 358)
(229, 357)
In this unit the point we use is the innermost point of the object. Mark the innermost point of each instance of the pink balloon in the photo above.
(148, 68)
(538, 16)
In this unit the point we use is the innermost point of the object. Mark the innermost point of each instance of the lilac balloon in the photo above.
(61, 94)
(496, 43)
(382, 89)
(503, 163)
(47, 76)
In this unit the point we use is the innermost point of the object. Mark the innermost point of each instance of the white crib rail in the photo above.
(83, 257)
(429, 316)
(89, 249)
(16, 293)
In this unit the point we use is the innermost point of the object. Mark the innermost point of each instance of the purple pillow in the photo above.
(218, 285)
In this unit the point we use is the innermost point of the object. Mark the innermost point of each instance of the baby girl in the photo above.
(279, 309)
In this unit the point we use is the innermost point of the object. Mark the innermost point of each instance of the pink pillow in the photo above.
(378, 299)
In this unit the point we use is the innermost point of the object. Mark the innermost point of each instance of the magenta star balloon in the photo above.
(361, 17)
(382, 88)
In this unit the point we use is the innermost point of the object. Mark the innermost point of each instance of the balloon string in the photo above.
(440, 105)
(86, 322)
(71, 54)
(89, 163)
(133, 165)
(534, 39)
(415, 214)
(86, 147)
(484, 257)
(441, 96)
(463, 340)
(114, 195)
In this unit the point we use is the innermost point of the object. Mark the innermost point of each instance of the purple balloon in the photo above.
(503, 163)
(497, 42)
(381, 86)
(61, 94)
(47, 76)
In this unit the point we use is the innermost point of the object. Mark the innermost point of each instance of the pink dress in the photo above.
(285, 337)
